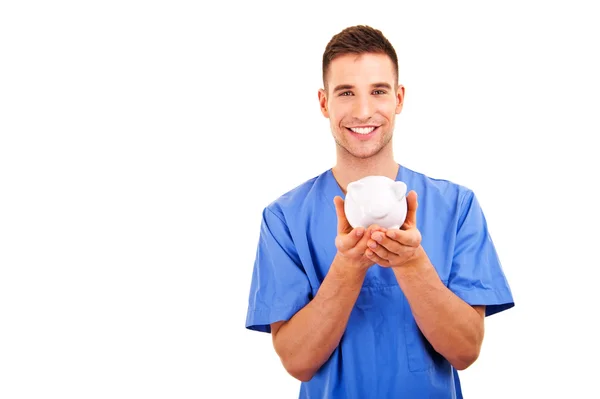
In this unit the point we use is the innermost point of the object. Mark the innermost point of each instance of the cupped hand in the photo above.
(396, 247)
(351, 243)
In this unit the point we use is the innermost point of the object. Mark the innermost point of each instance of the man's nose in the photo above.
(363, 108)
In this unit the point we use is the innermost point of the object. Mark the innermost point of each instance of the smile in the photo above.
(362, 130)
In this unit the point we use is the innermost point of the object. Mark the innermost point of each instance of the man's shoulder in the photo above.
(444, 187)
(297, 196)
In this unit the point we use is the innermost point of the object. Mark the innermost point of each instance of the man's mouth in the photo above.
(362, 130)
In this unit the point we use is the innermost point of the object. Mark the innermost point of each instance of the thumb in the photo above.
(342, 223)
(411, 213)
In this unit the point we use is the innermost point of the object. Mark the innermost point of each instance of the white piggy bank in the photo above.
(376, 200)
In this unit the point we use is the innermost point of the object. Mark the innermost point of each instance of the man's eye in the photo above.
(346, 93)
(379, 92)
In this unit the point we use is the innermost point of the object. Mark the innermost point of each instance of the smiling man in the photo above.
(361, 106)
(369, 312)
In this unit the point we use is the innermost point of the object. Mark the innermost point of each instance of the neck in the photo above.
(348, 168)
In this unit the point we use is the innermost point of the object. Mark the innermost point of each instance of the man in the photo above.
(373, 313)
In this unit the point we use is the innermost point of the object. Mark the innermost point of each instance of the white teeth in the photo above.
(362, 130)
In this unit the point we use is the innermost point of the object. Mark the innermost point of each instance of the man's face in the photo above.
(361, 101)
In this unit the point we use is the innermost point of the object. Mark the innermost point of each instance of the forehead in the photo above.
(356, 69)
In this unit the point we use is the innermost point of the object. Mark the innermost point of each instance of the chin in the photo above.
(365, 154)
(365, 151)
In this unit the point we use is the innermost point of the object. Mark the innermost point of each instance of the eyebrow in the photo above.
(378, 85)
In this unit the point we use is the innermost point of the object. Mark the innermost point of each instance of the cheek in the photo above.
(336, 115)
(388, 108)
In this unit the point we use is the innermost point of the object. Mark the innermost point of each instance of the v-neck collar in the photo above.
(333, 188)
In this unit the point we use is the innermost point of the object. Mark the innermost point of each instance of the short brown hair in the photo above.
(358, 39)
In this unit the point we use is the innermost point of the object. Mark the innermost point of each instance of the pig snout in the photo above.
(378, 210)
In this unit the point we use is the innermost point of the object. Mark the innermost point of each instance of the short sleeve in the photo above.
(477, 276)
(279, 286)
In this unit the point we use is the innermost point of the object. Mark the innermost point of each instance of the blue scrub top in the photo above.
(382, 353)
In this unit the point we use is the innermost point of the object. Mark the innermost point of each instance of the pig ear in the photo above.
(399, 189)
(355, 188)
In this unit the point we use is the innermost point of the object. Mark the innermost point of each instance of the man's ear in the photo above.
(323, 103)
(399, 98)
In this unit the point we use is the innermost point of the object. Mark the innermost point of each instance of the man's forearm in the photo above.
(452, 326)
(307, 340)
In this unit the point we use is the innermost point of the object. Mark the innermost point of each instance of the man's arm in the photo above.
(308, 339)
(454, 328)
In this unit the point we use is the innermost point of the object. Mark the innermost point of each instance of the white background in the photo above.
(140, 141)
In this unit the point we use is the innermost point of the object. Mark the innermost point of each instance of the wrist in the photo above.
(417, 264)
(347, 269)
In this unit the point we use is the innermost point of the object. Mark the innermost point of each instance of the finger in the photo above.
(345, 242)
(376, 227)
(411, 213)
(379, 250)
(388, 243)
(372, 256)
(411, 238)
(342, 223)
